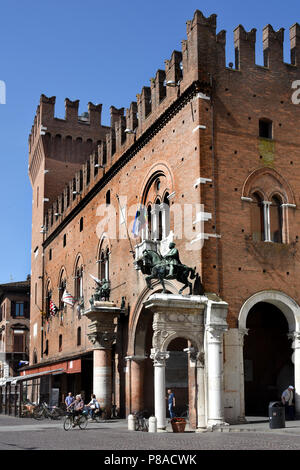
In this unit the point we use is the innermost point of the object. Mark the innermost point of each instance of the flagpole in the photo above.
(131, 251)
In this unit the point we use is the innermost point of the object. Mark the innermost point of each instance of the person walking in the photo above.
(171, 403)
(287, 397)
(69, 399)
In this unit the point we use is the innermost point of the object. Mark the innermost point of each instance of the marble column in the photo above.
(201, 418)
(101, 333)
(215, 376)
(159, 362)
(241, 335)
(296, 359)
(215, 327)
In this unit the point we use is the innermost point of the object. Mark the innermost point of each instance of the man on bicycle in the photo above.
(76, 407)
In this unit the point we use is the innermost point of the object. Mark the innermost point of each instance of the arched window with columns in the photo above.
(271, 198)
(155, 200)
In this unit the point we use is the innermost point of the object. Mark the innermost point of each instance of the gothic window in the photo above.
(271, 199)
(61, 289)
(78, 280)
(103, 261)
(48, 298)
(156, 201)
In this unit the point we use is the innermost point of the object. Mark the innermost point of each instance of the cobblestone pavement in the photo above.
(28, 434)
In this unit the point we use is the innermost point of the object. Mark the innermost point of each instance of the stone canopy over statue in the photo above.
(166, 267)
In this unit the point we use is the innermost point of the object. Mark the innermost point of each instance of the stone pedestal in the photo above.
(101, 333)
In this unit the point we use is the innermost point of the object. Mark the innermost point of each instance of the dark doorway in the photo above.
(268, 368)
(177, 374)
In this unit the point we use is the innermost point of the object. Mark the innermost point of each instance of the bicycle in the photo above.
(98, 416)
(141, 423)
(44, 411)
(72, 420)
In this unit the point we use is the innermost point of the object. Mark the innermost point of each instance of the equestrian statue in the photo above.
(166, 267)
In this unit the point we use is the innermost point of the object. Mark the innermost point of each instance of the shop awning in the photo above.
(15, 380)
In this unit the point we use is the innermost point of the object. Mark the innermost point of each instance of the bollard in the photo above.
(152, 424)
(131, 422)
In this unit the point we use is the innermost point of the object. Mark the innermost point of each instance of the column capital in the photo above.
(159, 357)
(215, 333)
(241, 335)
(295, 337)
(102, 340)
(135, 358)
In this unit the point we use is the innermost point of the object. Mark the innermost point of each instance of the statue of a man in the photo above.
(105, 289)
(172, 259)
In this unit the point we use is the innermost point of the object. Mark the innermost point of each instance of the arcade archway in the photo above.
(268, 366)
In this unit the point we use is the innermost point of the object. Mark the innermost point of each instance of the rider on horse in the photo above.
(172, 259)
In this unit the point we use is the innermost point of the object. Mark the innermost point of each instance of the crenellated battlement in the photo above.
(86, 144)
(78, 126)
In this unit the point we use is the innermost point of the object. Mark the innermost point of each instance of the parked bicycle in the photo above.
(43, 411)
(141, 422)
(72, 420)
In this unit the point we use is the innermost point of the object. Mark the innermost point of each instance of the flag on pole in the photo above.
(140, 221)
(68, 298)
(52, 307)
(96, 279)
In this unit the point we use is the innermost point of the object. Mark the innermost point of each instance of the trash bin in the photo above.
(276, 415)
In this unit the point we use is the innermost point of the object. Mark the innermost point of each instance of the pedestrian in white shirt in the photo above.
(287, 400)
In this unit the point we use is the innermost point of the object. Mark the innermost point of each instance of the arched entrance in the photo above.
(177, 373)
(268, 368)
(268, 320)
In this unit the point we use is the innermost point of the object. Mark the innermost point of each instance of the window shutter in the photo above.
(13, 308)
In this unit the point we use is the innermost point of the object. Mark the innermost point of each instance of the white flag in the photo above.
(68, 298)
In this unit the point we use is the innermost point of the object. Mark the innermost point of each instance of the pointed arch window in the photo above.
(78, 291)
(103, 270)
(61, 289)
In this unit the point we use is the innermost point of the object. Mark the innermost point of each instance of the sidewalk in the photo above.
(261, 424)
(253, 424)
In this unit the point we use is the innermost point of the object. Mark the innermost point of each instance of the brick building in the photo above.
(14, 327)
(212, 154)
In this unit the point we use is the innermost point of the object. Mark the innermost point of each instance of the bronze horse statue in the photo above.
(157, 267)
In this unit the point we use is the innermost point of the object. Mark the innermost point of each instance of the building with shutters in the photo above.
(14, 327)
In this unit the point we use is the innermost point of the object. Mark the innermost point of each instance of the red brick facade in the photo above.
(206, 128)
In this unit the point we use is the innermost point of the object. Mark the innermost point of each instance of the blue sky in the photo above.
(91, 50)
